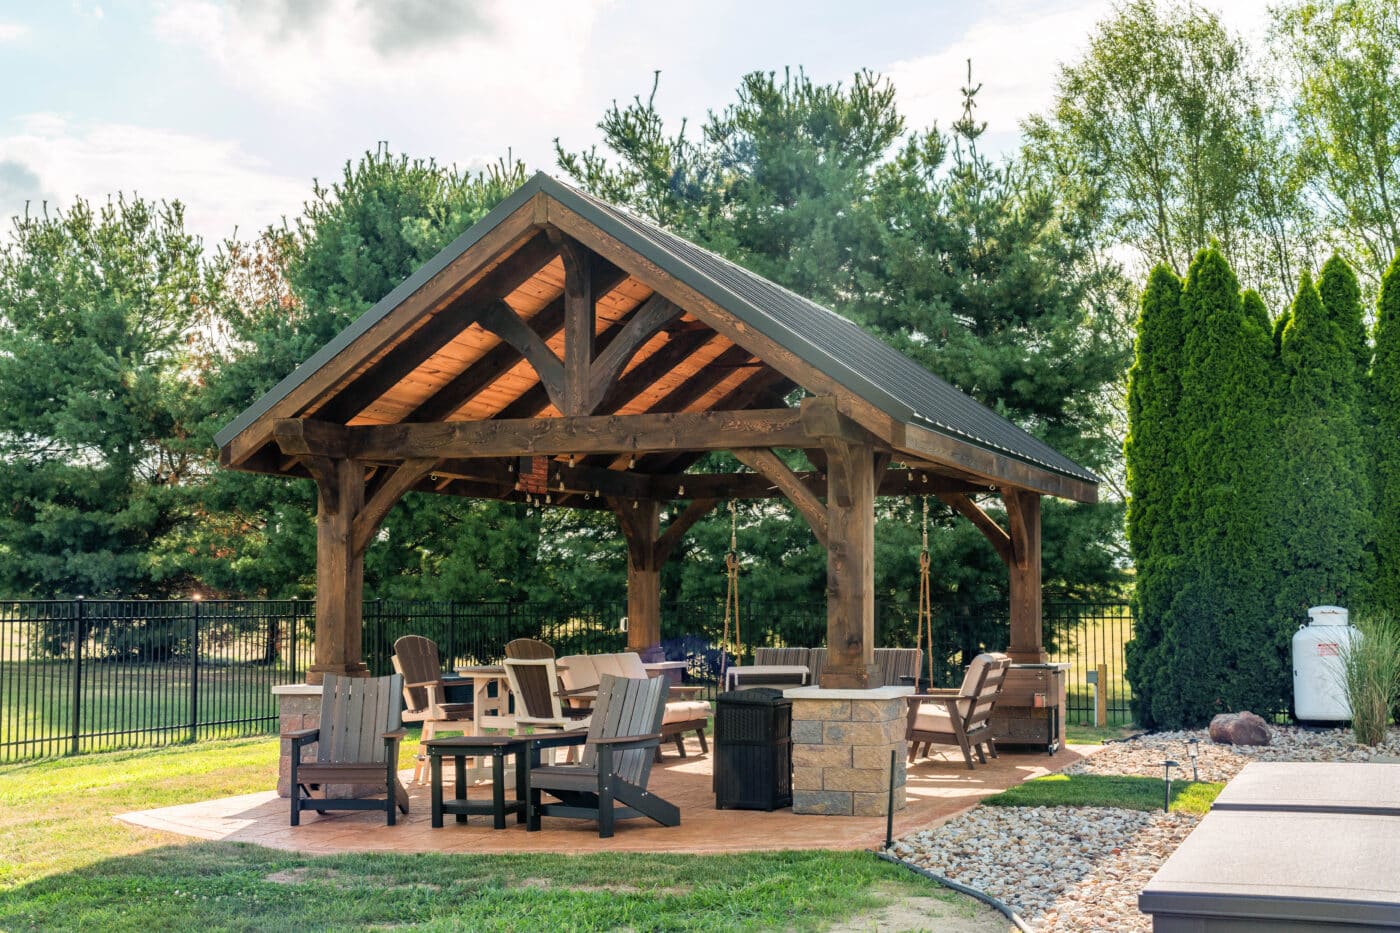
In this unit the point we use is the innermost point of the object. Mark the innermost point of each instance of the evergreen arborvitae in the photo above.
(1322, 470)
(1222, 645)
(1385, 409)
(1153, 474)
(1341, 298)
(1280, 326)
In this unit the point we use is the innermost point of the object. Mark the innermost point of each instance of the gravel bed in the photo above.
(1081, 868)
(1144, 755)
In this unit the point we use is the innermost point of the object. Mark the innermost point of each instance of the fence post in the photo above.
(194, 671)
(78, 636)
(1101, 697)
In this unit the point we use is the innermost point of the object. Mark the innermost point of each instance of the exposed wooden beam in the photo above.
(641, 377)
(998, 469)
(417, 348)
(768, 464)
(616, 434)
(466, 385)
(679, 525)
(654, 314)
(376, 508)
(303, 437)
(994, 533)
(456, 277)
(500, 319)
(580, 326)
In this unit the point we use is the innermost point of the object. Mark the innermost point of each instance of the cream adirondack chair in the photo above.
(960, 717)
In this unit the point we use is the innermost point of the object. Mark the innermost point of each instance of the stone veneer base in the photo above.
(842, 741)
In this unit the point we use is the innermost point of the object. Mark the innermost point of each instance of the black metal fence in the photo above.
(87, 675)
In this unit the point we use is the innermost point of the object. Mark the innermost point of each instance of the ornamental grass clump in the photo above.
(1371, 674)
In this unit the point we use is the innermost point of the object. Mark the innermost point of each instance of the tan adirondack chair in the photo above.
(356, 743)
(416, 660)
(610, 782)
(535, 684)
(960, 717)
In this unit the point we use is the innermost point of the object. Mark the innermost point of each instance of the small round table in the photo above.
(459, 749)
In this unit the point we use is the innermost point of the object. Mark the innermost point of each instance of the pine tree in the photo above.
(1322, 473)
(1150, 452)
(1385, 410)
(1222, 648)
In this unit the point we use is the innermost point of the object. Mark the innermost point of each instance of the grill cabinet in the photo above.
(753, 750)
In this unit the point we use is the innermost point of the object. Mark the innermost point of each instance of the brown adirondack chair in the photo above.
(416, 660)
(357, 743)
(960, 717)
(610, 782)
(528, 649)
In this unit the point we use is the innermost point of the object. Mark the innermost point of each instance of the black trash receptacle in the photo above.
(753, 750)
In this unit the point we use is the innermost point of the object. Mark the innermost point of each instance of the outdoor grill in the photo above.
(753, 750)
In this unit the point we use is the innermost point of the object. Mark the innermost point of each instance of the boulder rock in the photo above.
(1239, 729)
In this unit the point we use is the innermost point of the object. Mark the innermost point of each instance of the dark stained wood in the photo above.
(769, 465)
(994, 533)
(465, 386)
(677, 349)
(501, 319)
(654, 314)
(996, 469)
(618, 434)
(1023, 517)
(401, 480)
(339, 575)
(438, 332)
(458, 276)
(678, 526)
(580, 326)
(300, 437)
(850, 567)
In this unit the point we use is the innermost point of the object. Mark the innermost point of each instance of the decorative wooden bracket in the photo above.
(500, 319)
(994, 533)
(654, 314)
(678, 526)
(771, 467)
(640, 520)
(376, 508)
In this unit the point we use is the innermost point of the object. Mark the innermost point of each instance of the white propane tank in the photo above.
(1319, 693)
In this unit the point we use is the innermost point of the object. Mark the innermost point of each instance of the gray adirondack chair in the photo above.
(610, 782)
(357, 743)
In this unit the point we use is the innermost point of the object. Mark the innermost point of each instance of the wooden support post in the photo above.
(1023, 517)
(647, 552)
(340, 568)
(850, 567)
(580, 325)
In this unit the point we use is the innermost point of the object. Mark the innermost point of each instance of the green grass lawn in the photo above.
(1102, 790)
(65, 863)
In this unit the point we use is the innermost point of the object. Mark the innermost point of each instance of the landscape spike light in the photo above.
(1193, 749)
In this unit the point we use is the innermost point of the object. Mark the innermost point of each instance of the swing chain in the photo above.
(731, 599)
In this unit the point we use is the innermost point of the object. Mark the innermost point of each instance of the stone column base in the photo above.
(841, 746)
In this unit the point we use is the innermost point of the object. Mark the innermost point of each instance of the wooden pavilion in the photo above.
(566, 351)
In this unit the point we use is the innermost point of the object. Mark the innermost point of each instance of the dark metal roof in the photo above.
(862, 363)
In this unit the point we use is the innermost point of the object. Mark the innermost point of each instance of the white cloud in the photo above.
(221, 185)
(489, 55)
(1017, 48)
(9, 32)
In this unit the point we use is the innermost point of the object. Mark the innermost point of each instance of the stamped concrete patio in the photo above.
(937, 789)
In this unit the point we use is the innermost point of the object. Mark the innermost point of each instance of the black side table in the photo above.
(460, 748)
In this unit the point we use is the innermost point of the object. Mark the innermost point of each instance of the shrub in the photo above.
(1371, 674)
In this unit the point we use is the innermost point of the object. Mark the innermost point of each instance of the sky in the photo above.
(234, 107)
